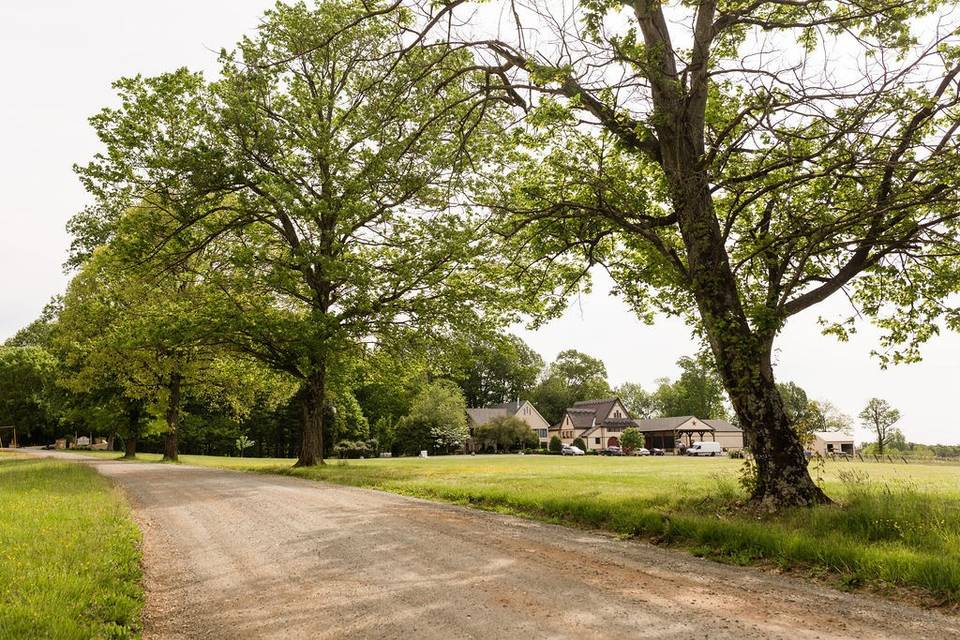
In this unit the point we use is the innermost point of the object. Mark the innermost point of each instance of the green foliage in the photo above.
(572, 377)
(357, 449)
(71, 554)
(497, 369)
(243, 443)
(697, 392)
(128, 338)
(641, 404)
(802, 412)
(39, 332)
(346, 420)
(505, 433)
(28, 391)
(631, 439)
(437, 420)
(880, 416)
(580, 444)
(384, 432)
(555, 444)
(331, 194)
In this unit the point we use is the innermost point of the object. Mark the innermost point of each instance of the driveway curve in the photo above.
(243, 555)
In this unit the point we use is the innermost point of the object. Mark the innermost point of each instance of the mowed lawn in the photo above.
(895, 525)
(69, 554)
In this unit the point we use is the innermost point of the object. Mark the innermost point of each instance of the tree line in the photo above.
(55, 383)
(368, 181)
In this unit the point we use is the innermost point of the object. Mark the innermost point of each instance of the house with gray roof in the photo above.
(522, 409)
(600, 423)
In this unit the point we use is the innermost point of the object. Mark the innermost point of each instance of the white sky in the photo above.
(57, 60)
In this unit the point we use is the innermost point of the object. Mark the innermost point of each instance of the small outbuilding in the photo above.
(832, 442)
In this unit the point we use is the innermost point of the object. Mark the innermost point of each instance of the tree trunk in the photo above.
(782, 478)
(743, 357)
(130, 447)
(134, 412)
(170, 444)
(311, 443)
(742, 352)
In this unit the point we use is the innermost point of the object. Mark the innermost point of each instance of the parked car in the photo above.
(657, 452)
(612, 451)
(705, 449)
(570, 450)
(640, 452)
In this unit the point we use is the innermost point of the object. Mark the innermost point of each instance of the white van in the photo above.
(705, 449)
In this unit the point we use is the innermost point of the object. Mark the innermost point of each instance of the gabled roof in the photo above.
(662, 424)
(582, 418)
(483, 415)
(510, 407)
(722, 425)
(833, 436)
(602, 407)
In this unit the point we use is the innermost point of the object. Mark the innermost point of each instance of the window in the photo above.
(616, 414)
(596, 441)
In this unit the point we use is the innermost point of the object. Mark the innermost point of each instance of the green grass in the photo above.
(894, 525)
(69, 554)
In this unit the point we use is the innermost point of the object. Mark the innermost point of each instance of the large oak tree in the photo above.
(739, 162)
(323, 170)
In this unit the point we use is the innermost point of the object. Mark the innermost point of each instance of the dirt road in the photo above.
(234, 555)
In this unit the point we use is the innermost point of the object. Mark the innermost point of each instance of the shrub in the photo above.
(632, 439)
(505, 433)
(555, 444)
(580, 444)
(437, 420)
(359, 449)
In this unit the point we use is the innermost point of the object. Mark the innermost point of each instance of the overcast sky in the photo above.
(58, 58)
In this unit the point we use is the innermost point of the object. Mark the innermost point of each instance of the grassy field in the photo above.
(895, 525)
(69, 554)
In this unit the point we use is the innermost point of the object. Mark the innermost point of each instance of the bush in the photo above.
(358, 449)
(632, 439)
(437, 420)
(555, 445)
(580, 444)
(505, 433)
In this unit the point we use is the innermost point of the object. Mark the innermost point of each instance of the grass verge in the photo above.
(69, 554)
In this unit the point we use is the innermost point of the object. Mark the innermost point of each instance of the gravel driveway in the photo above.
(242, 555)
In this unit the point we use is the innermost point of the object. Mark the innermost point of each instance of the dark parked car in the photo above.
(656, 452)
(612, 451)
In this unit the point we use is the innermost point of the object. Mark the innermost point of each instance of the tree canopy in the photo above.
(736, 165)
(572, 377)
(879, 416)
(322, 175)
